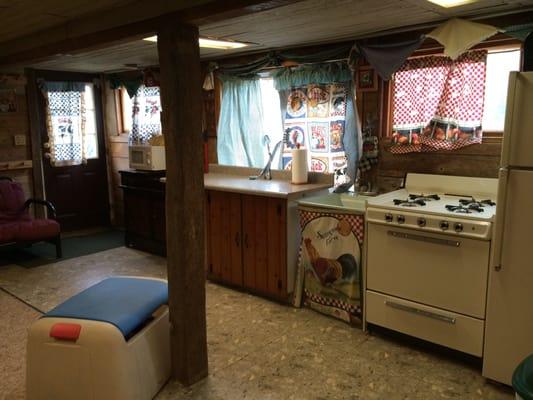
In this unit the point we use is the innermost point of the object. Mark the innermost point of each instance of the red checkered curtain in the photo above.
(438, 103)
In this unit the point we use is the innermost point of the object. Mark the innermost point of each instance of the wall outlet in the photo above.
(20, 140)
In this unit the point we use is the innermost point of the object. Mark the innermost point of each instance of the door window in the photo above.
(71, 123)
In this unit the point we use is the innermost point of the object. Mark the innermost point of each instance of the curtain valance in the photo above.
(131, 85)
(291, 77)
(61, 87)
(276, 58)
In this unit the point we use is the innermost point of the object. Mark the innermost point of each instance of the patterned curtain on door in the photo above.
(65, 117)
(438, 103)
(146, 121)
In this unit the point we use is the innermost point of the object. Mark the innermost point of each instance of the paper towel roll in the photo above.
(299, 166)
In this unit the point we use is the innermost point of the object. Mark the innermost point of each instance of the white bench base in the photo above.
(101, 364)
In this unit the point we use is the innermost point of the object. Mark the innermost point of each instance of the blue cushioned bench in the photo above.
(127, 303)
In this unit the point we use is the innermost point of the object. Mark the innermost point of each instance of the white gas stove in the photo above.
(427, 257)
(436, 203)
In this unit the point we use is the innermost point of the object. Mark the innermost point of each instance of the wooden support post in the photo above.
(35, 116)
(181, 100)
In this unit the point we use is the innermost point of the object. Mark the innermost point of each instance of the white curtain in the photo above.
(66, 118)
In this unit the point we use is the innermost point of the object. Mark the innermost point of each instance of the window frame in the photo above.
(120, 109)
(387, 87)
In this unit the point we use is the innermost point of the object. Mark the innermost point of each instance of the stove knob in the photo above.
(400, 219)
(458, 227)
(421, 222)
(444, 225)
(388, 217)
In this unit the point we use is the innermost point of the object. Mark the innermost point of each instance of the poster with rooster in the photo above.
(330, 260)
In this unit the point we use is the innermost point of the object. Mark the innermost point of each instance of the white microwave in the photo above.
(147, 157)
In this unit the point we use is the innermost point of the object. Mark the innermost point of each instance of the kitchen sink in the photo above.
(334, 201)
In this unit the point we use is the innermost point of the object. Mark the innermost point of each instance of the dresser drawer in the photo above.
(446, 328)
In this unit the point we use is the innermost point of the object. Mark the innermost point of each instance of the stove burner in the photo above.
(472, 201)
(409, 203)
(465, 208)
(424, 197)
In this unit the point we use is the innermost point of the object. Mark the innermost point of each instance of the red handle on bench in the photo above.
(63, 331)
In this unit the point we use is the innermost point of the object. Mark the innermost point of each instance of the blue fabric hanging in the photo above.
(240, 126)
(388, 58)
(520, 32)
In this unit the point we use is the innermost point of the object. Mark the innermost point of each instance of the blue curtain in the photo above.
(240, 126)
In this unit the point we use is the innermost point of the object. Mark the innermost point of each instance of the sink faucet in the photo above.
(266, 172)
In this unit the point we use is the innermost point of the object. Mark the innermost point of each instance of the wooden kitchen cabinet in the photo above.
(224, 237)
(247, 242)
(144, 210)
(264, 227)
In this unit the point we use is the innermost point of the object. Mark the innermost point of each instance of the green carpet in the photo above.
(45, 253)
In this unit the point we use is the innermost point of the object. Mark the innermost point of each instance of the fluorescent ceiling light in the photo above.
(211, 43)
(220, 44)
(451, 3)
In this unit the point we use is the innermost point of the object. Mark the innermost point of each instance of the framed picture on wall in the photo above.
(8, 100)
(367, 79)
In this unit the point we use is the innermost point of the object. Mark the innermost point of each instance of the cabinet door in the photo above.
(265, 245)
(137, 215)
(159, 218)
(224, 237)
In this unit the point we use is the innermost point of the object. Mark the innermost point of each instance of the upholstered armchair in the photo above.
(17, 226)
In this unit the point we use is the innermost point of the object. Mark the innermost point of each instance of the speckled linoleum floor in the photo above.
(257, 349)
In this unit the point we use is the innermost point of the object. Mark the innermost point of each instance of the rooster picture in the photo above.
(329, 270)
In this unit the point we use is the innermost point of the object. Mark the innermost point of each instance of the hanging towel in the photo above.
(388, 58)
(458, 35)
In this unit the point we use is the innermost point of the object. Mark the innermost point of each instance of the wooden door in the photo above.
(79, 192)
(265, 245)
(224, 237)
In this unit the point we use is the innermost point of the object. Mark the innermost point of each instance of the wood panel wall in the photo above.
(15, 161)
(117, 153)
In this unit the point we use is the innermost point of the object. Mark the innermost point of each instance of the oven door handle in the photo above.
(427, 239)
(418, 311)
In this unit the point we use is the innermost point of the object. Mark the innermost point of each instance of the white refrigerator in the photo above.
(509, 319)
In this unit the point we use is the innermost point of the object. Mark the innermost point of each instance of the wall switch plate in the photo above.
(20, 140)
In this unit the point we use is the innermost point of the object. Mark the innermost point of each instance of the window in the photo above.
(499, 65)
(71, 120)
(126, 111)
(90, 141)
(445, 104)
(271, 116)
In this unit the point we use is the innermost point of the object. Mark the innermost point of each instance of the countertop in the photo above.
(261, 187)
(236, 180)
(352, 203)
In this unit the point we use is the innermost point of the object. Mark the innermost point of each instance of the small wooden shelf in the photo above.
(11, 165)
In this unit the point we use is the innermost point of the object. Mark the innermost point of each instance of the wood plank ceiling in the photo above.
(20, 17)
(302, 23)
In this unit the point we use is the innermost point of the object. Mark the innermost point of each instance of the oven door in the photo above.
(445, 271)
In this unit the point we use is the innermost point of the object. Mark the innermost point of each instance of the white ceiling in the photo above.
(302, 23)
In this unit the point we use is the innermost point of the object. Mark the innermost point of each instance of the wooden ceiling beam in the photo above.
(122, 24)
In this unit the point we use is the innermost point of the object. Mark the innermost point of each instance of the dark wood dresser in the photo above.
(144, 210)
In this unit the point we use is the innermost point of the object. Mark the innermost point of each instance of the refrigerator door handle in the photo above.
(499, 225)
